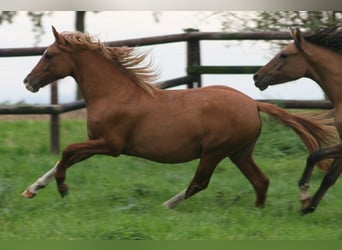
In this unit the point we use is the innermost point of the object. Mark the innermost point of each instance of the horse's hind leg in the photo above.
(244, 161)
(200, 181)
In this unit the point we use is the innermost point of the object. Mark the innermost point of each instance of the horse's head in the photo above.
(53, 65)
(289, 64)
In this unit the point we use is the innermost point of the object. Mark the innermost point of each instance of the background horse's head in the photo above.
(289, 64)
(53, 65)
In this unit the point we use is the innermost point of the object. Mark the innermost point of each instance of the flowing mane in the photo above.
(330, 38)
(128, 59)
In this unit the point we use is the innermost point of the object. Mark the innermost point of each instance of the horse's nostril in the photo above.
(255, 77)
(26, 78)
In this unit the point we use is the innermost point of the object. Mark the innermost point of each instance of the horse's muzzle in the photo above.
(29, 86)
(259, 83)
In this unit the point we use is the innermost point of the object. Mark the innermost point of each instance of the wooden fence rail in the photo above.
(194, 71)
(71, 106)
(183, 37)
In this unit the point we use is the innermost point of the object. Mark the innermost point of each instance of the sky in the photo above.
(169, 59)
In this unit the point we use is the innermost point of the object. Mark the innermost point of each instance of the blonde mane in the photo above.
(128, 59)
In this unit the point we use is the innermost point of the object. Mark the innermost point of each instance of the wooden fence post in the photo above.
(193, 58)
(54, 121)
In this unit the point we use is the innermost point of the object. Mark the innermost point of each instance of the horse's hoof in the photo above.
(63, 193)
(28, 194)
(168, 205)
(63, 190)
(307, 210)
(305, 203)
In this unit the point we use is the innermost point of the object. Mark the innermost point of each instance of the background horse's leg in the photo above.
(329, 179)
(334, 151)
(200, 181)
(244, 161)
(43, 181)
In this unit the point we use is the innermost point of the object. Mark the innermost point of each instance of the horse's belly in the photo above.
(168, 149)
(167, 157)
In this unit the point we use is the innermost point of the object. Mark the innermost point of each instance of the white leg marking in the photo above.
(41, 182)
(304, 192)
(171, 203)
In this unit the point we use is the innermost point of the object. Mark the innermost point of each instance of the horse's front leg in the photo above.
(72, 154)
(331, 152)
(41, 182)
(329, 179)
(75, 153)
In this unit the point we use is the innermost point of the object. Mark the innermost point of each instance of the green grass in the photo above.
(120, 198)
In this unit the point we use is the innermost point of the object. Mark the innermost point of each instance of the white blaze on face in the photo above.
(304, 193)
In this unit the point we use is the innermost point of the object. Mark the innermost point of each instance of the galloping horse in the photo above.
(317, 56)
(128, 115)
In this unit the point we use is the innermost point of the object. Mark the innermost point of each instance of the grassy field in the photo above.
(120, 198)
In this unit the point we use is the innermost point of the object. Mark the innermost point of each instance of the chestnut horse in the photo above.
(127, 115)
(318, 56)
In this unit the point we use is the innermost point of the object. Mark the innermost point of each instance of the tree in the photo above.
(278, 20)
(254, 21)
(306, 20)
(36, 18)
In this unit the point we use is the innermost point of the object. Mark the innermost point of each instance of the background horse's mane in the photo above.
(329, 37)
(128, 59)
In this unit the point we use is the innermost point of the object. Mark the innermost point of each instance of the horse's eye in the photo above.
(48, 56)
(283, 55)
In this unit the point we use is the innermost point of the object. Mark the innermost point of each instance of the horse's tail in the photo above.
(315, 130)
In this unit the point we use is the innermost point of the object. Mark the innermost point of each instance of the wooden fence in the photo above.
(192, 79)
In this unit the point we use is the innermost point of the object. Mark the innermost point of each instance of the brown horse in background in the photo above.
(127, 115)
(317, 56)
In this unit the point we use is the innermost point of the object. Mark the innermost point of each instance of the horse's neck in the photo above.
(325, 68)
(99, 79)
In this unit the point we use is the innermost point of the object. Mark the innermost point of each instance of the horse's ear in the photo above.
(292, 32)
(297, 36)
(59, 39)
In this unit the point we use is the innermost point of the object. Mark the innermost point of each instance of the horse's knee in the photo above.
(313, 158)
(262, 185)
(265, 183)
